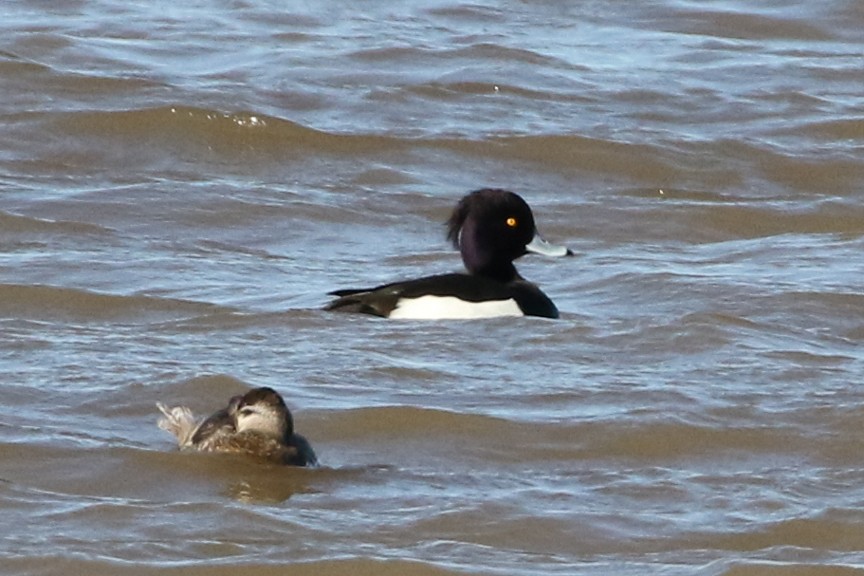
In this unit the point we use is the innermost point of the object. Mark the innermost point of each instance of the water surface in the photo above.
(182, 183)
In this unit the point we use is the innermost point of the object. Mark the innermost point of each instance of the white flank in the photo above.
(452, 308)
(180, 422)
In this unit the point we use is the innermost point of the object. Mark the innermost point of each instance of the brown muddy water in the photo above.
(181, 183)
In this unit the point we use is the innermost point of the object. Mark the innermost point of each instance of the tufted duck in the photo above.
(491, 228)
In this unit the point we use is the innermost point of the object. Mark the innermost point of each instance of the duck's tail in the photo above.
(179, 421)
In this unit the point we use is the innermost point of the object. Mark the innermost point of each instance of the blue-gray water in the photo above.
(182, 183)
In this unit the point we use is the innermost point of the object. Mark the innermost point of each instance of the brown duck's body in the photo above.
(256, 424)
(260, 446)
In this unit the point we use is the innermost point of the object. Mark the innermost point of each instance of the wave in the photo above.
(637, 437)
(52, 303)
(15, 224)
(733, 221)
(58, 563)
(186, 125)
(757, 27)
(777, 568)
(165, 134)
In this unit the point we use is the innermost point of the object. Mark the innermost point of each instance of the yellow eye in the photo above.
(511, 222)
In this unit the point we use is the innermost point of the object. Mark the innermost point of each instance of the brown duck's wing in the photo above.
(217, 424)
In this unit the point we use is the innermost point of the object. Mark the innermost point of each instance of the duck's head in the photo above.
(493, 227)
(262, 411)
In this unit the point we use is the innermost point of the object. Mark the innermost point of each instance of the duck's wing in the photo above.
(382, 300)
(216, 425)
(374, 301)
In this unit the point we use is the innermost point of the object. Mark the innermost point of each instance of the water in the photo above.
(182, 183)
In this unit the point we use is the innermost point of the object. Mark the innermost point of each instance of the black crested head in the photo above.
(491, 228)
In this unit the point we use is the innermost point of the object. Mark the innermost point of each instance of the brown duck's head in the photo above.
(262, 411)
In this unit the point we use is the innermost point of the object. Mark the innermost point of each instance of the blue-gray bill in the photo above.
(540, 246)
